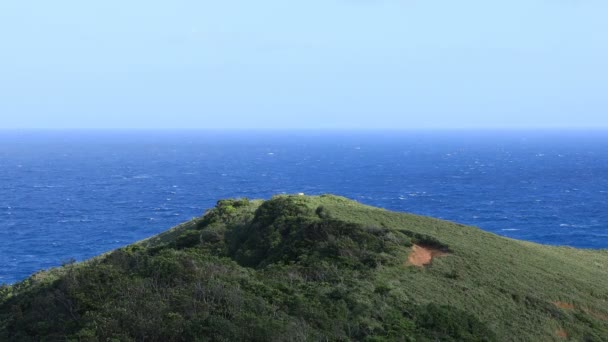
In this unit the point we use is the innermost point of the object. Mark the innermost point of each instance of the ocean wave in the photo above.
(504, 200)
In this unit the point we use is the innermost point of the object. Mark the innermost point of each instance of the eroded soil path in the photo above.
(561, 333)
(563, 305)
(423, 255)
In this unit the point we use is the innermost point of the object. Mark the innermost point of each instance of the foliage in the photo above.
(298, 268)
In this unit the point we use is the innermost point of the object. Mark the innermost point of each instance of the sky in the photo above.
(303, 64)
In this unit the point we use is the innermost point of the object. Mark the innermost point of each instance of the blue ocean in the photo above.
(76, 194)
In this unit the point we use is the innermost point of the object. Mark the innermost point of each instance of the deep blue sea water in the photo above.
(77, 194)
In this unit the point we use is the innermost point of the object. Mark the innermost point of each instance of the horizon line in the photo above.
(306, 129)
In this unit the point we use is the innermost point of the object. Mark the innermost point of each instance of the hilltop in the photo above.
(300, 268)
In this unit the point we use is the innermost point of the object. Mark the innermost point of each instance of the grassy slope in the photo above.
(510, 283)
(510, 286)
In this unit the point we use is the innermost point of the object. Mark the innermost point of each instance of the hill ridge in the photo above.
(306, 268)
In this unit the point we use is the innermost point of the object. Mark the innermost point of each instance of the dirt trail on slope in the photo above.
(568, 306)
(561, 333)
(563, 305)
(423, 255)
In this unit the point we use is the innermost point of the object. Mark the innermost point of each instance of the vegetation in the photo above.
(299, 268)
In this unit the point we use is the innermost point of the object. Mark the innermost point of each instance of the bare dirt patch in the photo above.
(561, 333)
(568, 306)
(423, 255)
(563, 305)
(598, 315)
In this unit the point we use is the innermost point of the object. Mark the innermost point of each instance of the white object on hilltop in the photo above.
(300, 194)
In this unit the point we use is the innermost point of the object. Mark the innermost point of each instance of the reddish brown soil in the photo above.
(563, 305)
(569, 306)
(561, 333)
(598, 315)
(423, 255)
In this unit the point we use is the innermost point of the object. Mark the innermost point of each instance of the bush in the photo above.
(187, 239)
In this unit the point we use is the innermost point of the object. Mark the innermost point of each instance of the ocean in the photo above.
(76, 194)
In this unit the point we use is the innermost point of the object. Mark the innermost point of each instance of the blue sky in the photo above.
(332, 64)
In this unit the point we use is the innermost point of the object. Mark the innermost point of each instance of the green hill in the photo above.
(298, 268)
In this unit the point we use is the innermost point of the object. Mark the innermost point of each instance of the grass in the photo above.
(315, 268)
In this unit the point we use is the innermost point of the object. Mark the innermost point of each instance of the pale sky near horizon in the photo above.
(330, 64)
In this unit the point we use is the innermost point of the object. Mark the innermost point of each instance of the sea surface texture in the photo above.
(75, 194)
